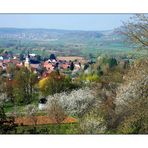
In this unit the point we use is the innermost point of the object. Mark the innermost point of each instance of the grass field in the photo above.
(71, 128)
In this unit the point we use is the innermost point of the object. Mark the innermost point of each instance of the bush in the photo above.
(7, 125)
(55, 83)
(132, 100)
(56, 112)
(92, 123)
(76, 103)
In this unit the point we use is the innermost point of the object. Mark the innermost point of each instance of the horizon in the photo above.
(77, 22)
(53, 29)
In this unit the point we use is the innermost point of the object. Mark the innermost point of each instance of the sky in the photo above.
(64, 21)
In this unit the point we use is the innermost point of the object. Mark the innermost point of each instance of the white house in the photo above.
(42, 104)
(1, 58)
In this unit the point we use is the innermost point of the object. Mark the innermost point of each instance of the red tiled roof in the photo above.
(48, 66)
(64, 66)
(6, 61)
(41, 120)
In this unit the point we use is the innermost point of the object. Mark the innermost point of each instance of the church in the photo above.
(27, 62)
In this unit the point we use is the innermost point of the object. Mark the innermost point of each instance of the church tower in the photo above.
(27, 61)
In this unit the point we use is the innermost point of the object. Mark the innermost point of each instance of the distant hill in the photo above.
(65, 41)
(45, 34)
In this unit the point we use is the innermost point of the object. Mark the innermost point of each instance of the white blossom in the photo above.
(135, 85)
(74, 102)
(92, 124)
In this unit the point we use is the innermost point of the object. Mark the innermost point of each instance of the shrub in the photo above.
(55, 83)
(132, 100)
(92, 123)
(56, 112)
(77, 102)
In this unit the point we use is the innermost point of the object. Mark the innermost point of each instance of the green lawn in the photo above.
(20, 109)
(70, 128)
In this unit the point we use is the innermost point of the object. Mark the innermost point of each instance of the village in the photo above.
(40, 67)
(67, 65)
(78, 69)
(97, 88)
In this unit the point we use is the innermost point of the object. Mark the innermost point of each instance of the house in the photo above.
(48, 65)
(1, 58)
(42, 104)
(64, 66)
(77, 66)
(32, 63)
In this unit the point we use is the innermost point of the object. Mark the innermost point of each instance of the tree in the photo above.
(132, 95)
(9, 90)
(112, 62)
(7, 124)
(3, 95)
(52, 57)
(31, 113)
(76, 103)
(56, 112)
(24, 86)
(92, 123)
(72, 66)
(91, 57)
(43, 85)
(137, 30)
(21, 57)
(1, 51)
(132, 100)
(55, 83)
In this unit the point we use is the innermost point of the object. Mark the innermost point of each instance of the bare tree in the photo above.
(31, 113)
(56, 112)
(136, 29)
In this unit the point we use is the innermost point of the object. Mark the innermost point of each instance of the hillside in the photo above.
(67, 42)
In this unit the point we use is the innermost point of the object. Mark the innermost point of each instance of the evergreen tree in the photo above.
(72, 66)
